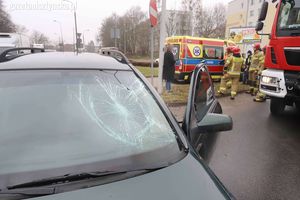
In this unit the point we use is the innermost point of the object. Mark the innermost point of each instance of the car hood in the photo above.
(187, 179)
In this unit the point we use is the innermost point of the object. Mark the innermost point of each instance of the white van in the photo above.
(13, 40)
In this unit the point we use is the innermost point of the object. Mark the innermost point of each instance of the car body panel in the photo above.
(189, 178)
(58, 60)
(186, 179)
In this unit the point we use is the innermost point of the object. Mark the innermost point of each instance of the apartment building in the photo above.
(243, 15)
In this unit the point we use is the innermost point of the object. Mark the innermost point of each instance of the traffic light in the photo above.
(79, 43)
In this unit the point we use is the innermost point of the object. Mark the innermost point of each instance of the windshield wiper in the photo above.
(25, 193)
(68, 178)
(63, 179)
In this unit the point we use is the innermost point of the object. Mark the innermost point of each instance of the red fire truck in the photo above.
(281, 79)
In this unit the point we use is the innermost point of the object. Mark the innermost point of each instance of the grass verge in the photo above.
(180, 92)
(146, 71)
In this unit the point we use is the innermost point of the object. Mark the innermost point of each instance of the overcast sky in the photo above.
(39, 14)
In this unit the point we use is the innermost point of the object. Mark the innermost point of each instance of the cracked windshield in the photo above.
(146, 99)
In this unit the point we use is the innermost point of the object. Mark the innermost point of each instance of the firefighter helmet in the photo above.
(229, 49)
(256, 46)
(236, 50)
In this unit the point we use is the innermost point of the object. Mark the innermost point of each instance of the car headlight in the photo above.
(270, 80)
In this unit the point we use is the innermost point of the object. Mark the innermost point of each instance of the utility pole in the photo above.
(162, 44)
(76, 31)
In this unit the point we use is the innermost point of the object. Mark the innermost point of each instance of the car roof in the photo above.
(64, 60)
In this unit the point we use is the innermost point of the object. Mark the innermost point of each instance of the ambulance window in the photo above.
(211, 52)
(176, 49)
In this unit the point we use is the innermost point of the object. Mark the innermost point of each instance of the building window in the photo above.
(252, 2)
(241, 16)
(242, 5)
(259, 11)
(260, 1)
(250, 24)
(251, 13)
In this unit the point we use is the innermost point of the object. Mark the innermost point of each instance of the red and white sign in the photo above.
(153, 13)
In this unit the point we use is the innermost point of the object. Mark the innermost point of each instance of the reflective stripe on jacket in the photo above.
(228, 63)
(236, 66)
(261, 64)
(256, 58)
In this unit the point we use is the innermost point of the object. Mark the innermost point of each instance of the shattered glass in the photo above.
(51, 119)
(123, 111)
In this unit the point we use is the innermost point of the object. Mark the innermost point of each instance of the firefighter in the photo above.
(234, 64)
(260, 97)
(235, 71)
(225, 80)
(254, 68)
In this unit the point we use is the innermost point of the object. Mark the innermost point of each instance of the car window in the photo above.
(203, 94)
(53, 119)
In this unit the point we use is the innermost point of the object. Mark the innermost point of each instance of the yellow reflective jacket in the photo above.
(228, 63)
(256, 59)
(261, 64)
(237, 65)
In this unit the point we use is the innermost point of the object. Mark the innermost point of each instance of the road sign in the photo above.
(153, 13)
(115, 33)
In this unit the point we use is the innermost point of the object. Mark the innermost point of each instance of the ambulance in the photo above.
(190, 51)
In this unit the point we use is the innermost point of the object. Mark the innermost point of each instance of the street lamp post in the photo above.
(162, 44)
(61, 34)
(76, 31)
(57, 35)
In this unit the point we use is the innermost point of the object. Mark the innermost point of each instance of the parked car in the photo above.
(13, 40)
(90, 126)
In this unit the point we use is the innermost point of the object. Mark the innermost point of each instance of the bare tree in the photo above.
(220, 20)
(134, 16)
(133, 31)
(91, 47)
(171, 23)
(211, 22)
(189, 5)
(104, 35)
(21, 29)
(39, 38)
(194, 7)
(206, 24)
(6, 25)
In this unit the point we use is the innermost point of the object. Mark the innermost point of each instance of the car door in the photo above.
(203, 113)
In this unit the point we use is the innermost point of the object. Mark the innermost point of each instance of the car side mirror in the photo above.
(264, 11)
(259, 26)
(214, 123)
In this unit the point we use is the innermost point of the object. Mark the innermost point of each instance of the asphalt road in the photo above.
(260, 157)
